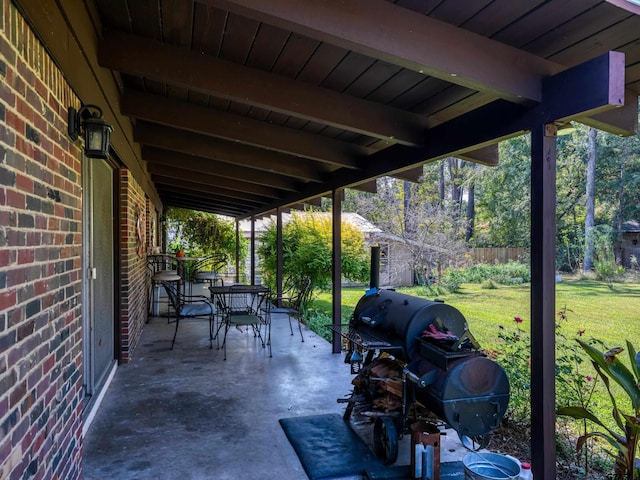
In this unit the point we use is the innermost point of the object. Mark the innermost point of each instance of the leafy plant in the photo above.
(608, 368)
(512, 353)
(306, 241)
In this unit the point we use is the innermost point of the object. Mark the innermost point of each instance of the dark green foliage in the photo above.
(307, 251)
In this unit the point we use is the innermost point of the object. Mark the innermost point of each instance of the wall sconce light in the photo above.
(88, 121)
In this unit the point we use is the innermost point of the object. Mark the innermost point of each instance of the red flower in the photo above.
(580, 332)
(517, 319)
(589, 378)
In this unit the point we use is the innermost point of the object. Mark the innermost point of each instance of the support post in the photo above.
(336, 301)
(253, 250)
(543, 290)
(237, 251)
(279, 263)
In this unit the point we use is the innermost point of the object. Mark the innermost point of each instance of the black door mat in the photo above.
(328, 448)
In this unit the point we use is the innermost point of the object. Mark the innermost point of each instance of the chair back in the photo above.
(172, 294)
(296, 293)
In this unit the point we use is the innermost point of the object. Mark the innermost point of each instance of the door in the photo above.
(99, 279)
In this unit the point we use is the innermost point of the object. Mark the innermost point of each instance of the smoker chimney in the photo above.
(374, 281)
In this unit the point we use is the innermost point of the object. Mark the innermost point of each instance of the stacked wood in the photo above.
(385, 381)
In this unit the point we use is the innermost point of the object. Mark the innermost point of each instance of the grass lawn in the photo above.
(611, 315)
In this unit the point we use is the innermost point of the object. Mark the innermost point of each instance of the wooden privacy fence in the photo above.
(499, 254)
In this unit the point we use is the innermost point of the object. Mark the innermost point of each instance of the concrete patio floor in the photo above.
(187, 414)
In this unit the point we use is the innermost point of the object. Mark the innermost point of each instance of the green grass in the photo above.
(611, 315)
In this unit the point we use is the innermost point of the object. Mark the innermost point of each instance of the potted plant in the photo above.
(625, 442)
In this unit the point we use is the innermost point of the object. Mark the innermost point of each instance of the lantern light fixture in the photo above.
(96, 132)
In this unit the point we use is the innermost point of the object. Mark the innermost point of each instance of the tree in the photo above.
(414, 214)
(307, 248)
(503, 197)
(203, 233)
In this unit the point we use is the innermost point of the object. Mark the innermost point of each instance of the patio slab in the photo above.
(187, 414)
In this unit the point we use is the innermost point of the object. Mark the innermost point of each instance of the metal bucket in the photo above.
(490, 466)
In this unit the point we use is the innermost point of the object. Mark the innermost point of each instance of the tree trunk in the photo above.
(621, 193)
(591, 199)
(441, 184)
(471, 212)
(409, 226)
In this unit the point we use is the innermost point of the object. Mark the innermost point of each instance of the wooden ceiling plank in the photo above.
(294, 55)
(195, 204)
(228, 152)
(198, 187)
(136, 55)
(212, 180)
(451, 12)
(495, 16)
(145, 18)
(191, 196)
(541, 21)
(225, 170)
(605, 40)
(267, 46)
(177, 22)
(208, 29)
(559, 43)
(194, 118)
(205, 196)
(238, 38)
(367, 27)
(589, 88)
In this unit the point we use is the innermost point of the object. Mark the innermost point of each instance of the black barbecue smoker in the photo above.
(415, 360)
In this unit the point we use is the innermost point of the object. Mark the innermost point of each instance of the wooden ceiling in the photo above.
(242, 106)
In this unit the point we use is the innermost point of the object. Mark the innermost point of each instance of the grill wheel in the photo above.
(385, 440)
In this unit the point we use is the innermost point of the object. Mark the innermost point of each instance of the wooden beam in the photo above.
(213, 76)
(238, 128)
(411, 174)
(170, 182)
(621, 121)
(486, 156)
(205, 197)
(568, 97)
(181, 161)
(228, 152)
(592, 87)
(182, 202)
(387, 32)
(369, 187)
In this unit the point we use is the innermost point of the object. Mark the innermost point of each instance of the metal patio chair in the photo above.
(189, 306)
(245, 308)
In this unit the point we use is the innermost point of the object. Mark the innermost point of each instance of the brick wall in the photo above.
(134, 274)
(40, 263)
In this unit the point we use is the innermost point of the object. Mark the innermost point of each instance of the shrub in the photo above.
(307, 251)
(503, 273)
(489, 285)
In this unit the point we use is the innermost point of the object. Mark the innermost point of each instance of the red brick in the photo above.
(24, 183)
(26, 256)
(7, 299)
(17, 394)
(16, 199)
